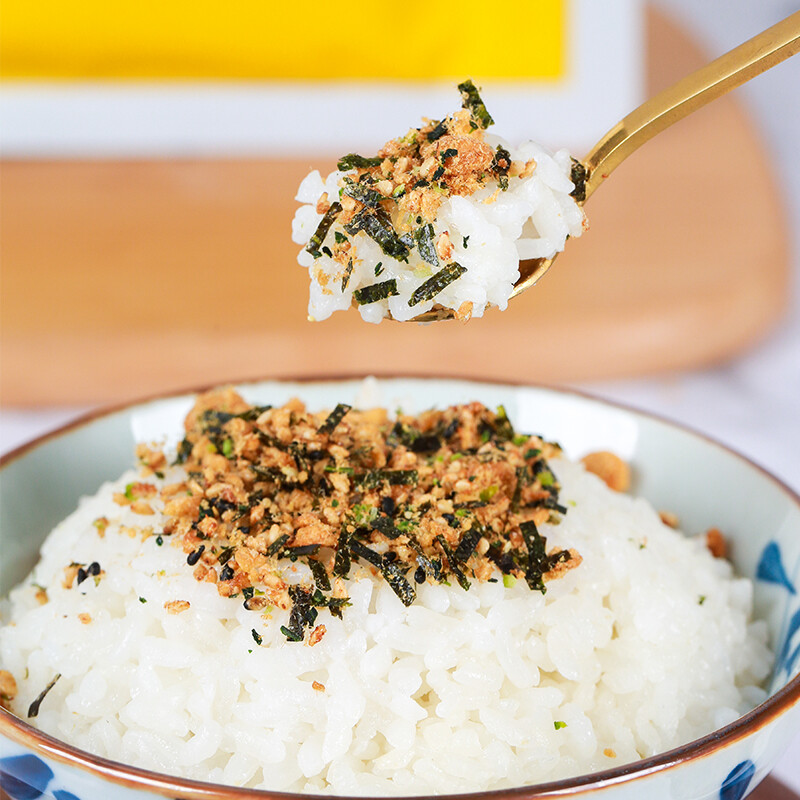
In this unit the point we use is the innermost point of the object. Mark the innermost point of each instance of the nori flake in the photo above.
(425, 443)
(501, 163)
(334, 418)
(355, 161)
(348, 272)
(376, 292)
(358, 191)
(278, 544)
(437, 283)
(373, 478)
(394, 575)
(315, 242)
(439, 130)
(427, 249)
(362, 551)
(385, 526)
(341, 563)
(320, 574)
(503, 429)
(33, 708)
(303, 614)
(451, 560)
(578, 175)
(537, 556)
(471, 99)
(377, 225)
(466, 547)
(253, 413)
(184, 451)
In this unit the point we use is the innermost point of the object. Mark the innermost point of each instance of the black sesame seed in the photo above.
(82, 575)
(93, 568)
(159, 540)
(389, 557)
(419, 575)
(194, 556)
(227, 573)
(451, 520)
(388, 505)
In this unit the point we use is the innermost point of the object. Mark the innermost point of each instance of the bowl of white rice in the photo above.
(651, 666)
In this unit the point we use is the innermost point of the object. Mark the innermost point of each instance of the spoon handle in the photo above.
(692, 92)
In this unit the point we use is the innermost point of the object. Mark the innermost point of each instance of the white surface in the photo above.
(185, 119)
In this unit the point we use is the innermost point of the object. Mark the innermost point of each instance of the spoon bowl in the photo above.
(756, 55)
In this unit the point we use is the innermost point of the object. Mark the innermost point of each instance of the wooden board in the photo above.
(121, 279)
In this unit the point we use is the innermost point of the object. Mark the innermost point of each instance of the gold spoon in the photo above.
(656, 114)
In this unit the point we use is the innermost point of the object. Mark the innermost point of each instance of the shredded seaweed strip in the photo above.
(320, 575)
(358, 191)
(362, 551)
(303, 614)
(315, 242)
(430, 567)
(394, 575)
(466, 547)
(537, 556)
(278, 545)
(377, 225)
(386, 526)
(334, 418)
(348, 272)
(539, 562)
(578, 175)
(355, 161)
(341, 563)
(33, 708)
(375, 292)
(253, 413)
(439, 130)
(501, 163)
(437, 283)
(452, 563)
(471, 99)
(394, 477)
(425, 245)
(503, 429)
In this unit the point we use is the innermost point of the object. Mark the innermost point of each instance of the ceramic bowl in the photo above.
(703, 482)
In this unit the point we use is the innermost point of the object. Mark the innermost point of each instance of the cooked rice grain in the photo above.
(459, 692)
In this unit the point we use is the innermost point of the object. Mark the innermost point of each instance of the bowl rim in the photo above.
(43, 744)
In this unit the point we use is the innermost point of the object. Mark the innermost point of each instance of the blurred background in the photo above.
(151, 153)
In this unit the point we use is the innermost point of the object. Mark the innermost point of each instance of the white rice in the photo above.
(532, 219)
(647, 644)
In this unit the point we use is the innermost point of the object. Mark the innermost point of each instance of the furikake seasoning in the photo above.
(451, 496)
(393, 199)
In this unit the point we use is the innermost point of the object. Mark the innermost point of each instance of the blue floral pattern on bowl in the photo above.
(27, 777)
(737, 784)
(771, 569)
